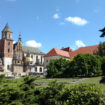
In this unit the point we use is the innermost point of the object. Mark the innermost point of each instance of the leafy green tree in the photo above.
(86, 65)
(101, 49)
(57, 67)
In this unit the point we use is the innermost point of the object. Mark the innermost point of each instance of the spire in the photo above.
(6, 28)
(20, 39)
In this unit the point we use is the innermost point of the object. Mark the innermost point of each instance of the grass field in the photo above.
(94, 80)
(69, 81)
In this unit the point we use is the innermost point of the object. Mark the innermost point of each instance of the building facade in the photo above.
(16, 59)
(67, 53)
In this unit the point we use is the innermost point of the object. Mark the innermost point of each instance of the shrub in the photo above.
(83, 94)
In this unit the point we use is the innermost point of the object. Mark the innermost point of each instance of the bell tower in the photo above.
(7, 48)
(7, 33)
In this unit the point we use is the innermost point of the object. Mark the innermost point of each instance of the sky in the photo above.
(48, 24)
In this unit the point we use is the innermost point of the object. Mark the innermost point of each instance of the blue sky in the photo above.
(48, 24)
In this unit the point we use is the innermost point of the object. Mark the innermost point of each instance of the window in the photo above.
(7, 66)
(35, 69)
(8, 43)
(8, 50)
(9, 35)
(41, 59)
(36, 57)
(40, 69)
(32, 56)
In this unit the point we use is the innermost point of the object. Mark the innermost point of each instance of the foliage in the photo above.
(86, 65)
(101, 49)
(57, 67)
(102, 80)
(83, 94)
(83, 65)
(2, 77)
(103, 66)
(12, 93)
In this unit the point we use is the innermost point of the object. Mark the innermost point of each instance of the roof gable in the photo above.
(57, 52)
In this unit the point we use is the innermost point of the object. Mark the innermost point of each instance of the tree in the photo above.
(86, 65)
(103, 32)
(57, 67)
(101, 49)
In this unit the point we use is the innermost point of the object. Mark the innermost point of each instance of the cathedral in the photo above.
(17, 59)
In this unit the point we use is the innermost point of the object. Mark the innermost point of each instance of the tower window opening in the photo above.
(8, 50)
(8, 43)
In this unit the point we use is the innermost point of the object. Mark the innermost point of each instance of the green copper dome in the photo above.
(6, 28)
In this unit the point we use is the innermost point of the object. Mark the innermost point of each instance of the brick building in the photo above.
(16, 59)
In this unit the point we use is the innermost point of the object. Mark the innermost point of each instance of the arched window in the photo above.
(8, 43)
(35, 69)
(9, 36)
(40, 69)
(7, 66)
(8, 50)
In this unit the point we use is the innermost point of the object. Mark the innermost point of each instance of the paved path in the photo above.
(73, 82)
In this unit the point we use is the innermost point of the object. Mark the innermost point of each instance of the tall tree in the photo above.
(103, 32)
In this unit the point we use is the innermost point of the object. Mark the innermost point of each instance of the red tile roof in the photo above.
(57, 52)
(84, 50)
(71, 54)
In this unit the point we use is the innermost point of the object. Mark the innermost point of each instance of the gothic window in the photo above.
(40, 69)
(8, 50)
(8, 43)
(37, 61)
(7, 66)
(35, 69)
(9, 36)
(41, 59)
(5, 35)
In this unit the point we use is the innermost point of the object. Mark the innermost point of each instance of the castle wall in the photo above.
(18, 68)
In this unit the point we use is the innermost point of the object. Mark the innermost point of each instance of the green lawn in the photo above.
(94, 80)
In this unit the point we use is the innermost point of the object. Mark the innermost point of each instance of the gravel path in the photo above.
(73, 82)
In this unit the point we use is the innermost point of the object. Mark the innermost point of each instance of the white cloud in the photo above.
(79, 43)
(33, 43)
(56, 16)
(14, 42)
(77, 21)
(11, 0)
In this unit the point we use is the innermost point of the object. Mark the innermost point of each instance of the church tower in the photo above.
(6, 48)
